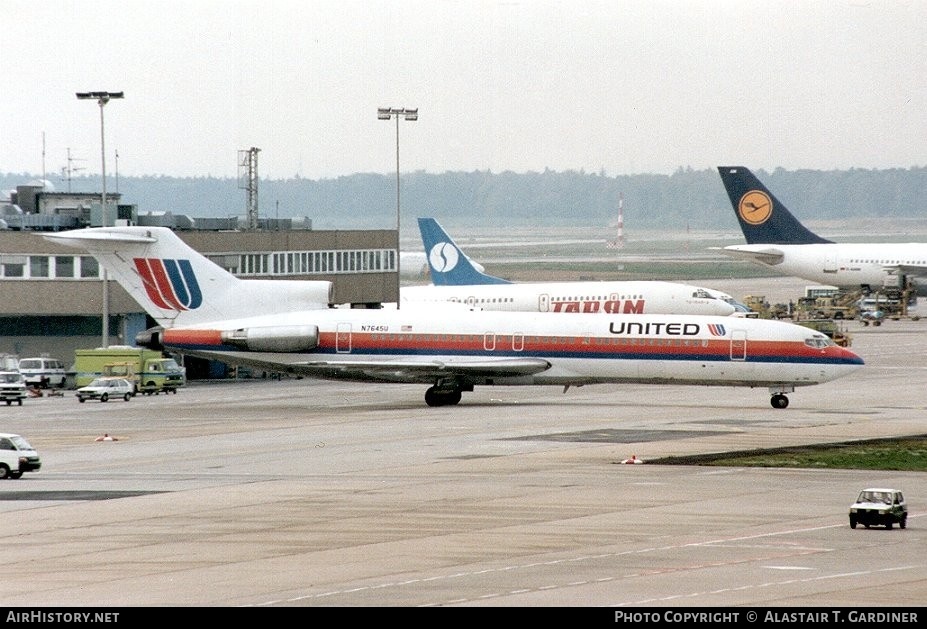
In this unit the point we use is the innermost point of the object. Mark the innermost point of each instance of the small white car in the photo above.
(879, 506)
(104, 389)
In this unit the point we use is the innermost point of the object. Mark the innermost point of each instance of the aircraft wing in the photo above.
(763, 254)
(916, 270)
(397, 369)
(425, 368)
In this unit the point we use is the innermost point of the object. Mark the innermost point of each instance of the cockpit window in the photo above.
(819, 342)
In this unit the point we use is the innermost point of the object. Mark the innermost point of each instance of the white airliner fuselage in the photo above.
(631, 297)
(845, 265)
(460, 349)
(457, 279)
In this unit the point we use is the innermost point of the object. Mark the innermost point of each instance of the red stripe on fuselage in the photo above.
(659, 347)
(642, 348)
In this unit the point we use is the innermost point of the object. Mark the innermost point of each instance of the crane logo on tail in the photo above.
(755, 207)
(170, 284)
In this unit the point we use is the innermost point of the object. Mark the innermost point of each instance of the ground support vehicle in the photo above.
(12, 387)
(17, 456)
(149, 370)
(43, 372)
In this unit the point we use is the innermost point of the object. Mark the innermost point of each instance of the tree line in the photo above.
(687, 198)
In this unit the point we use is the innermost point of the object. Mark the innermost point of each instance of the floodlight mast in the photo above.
(386, 113)
(102, 98)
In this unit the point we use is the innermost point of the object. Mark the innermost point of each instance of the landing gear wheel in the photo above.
(441, 398)
(779, 401)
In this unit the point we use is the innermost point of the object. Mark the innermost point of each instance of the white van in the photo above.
(17, 456)
(43, 372)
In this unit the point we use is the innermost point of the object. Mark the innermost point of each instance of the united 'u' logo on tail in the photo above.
(170, 284)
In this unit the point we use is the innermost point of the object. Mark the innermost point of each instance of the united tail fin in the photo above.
(763, 219)
(449, 266)
(178, 286)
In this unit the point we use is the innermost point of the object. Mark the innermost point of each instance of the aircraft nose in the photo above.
(850, 357)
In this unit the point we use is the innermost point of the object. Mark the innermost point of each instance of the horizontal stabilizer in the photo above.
(767, 255)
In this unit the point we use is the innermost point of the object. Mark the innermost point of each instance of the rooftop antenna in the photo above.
(67, 171)
(618, 243)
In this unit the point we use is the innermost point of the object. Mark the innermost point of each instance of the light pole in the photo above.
(386, 113)
(102, 98)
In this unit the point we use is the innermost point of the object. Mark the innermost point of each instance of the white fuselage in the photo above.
(845, 265)
(414, 345)
(631, 297)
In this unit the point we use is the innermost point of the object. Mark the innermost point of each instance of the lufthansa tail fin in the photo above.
(763, 219)
(449, 266)
(178, 286)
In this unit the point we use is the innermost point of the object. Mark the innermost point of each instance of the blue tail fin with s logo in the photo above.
(448, 265)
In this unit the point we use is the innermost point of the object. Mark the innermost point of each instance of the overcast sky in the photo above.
(623, 87)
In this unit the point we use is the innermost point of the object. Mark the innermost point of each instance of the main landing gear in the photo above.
(442, 397)
(446, 391)
(779, 400)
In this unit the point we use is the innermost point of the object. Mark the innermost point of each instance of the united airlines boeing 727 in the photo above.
(202, 310)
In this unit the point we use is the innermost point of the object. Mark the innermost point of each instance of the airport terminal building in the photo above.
(52, 296)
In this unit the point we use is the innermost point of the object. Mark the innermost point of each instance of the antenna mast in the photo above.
(248, 180)
(618, 243)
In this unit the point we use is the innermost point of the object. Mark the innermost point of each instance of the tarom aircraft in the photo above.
(776, 239)
(456, 280)
(202, 310)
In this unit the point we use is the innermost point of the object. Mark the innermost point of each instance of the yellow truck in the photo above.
(149, 370)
